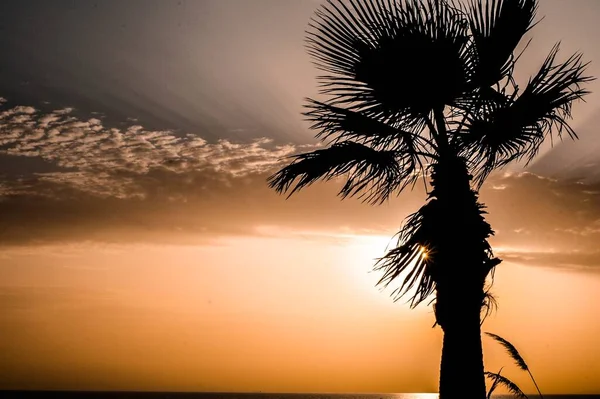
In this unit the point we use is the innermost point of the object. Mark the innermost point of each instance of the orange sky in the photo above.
(290, 315)
(282, 309)
(156, 258)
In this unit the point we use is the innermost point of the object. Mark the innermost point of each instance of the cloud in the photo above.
(545, 221)
(575, 260)
(69, 179)
(106, 162)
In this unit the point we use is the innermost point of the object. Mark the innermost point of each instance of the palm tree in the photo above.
(425, 89)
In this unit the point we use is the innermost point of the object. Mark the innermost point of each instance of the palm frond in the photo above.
(499, 379)
(512, 351)
(494, 386)
(497, 27)
(490, 304)
(337, 124)
(412, 258)
(371, 174)
(515, 126)
(516, 356)
(396, 59)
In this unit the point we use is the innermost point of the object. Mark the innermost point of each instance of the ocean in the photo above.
(206, 395)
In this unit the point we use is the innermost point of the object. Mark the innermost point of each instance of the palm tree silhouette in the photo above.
(425, 89)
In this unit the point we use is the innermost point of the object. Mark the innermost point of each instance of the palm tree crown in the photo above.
(425, 88)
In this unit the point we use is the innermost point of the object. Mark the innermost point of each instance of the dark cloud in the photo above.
(574, 159)
(574, 261)
(179, 212)
(545, 222)
(85, 181)
(538, 212)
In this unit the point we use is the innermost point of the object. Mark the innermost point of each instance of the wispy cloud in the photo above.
(105, 161)
(570, 260)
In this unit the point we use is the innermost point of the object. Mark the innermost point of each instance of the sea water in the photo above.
(206, 395)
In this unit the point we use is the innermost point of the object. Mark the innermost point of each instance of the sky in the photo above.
(140, 247)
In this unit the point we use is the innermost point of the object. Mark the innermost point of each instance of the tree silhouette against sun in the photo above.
(425, 89)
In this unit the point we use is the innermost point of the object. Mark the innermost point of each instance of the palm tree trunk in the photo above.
(460, 278)
(461, 370)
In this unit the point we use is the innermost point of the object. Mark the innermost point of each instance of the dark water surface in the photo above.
(194, 395)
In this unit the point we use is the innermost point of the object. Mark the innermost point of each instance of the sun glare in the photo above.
(362, 251)
(424, 253)
(373, 246)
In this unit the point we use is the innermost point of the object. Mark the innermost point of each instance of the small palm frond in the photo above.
(516, 356)
(372, 175)
(490, 304)
(413, 257)
(508, 384)
(396, 59)
(515, 127)
(497, 27)
(512, 351)
(495, 384)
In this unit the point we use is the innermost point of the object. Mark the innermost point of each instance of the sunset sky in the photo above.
(142, 249)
